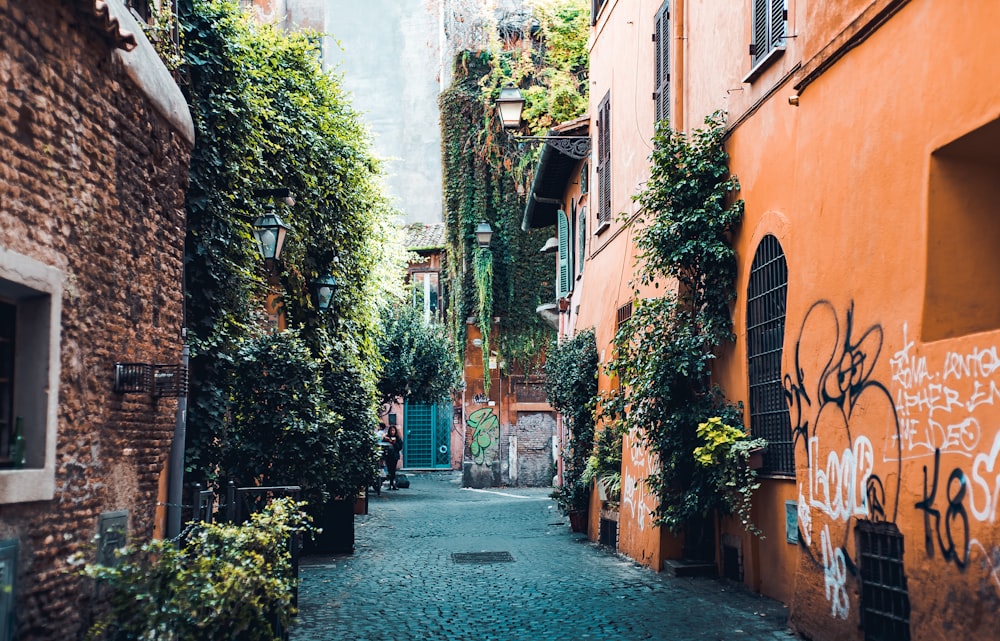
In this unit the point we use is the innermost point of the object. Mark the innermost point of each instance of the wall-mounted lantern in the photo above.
(484, 234)
(324, 286)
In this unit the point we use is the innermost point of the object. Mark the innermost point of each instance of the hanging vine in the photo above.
(663, 355)
(486, 174)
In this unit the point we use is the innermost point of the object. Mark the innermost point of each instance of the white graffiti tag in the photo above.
(839, 490)
(834, 576)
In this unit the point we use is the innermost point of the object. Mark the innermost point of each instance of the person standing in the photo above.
(394, 443)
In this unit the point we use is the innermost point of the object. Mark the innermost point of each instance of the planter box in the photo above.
(578, 520)
(337, 520)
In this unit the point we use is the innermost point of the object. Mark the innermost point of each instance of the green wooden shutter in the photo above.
(565, 284)
(604, 159)
(581, 239)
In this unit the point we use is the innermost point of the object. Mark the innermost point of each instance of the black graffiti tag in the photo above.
(956, 519)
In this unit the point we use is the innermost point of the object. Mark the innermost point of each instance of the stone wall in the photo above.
(92, 182)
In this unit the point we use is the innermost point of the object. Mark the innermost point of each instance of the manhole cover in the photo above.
(482, 557)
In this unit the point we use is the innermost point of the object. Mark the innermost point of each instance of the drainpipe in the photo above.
(175, 469)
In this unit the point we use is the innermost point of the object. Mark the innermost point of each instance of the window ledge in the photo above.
(602, 227)
(23, 486)
(764, 63)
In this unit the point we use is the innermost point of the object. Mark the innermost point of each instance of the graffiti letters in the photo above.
(485, 431)
(835, 576)
(836, 491)
(956, 520)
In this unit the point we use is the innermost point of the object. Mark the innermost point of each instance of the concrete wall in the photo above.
(389, 54)
(92, 182)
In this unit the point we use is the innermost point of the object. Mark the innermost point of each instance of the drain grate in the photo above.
(482, 557)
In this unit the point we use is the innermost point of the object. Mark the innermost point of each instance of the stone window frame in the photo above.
(36, 289)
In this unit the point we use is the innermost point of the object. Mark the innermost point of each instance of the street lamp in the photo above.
(484, 233)
(270, 231)
(323, 287)
(510, 104)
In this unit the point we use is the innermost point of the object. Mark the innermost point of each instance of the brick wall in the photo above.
(92, 182)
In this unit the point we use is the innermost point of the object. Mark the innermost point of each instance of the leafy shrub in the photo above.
(223, 582)
(571, 386)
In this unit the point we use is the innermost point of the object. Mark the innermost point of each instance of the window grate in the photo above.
(766, 295)
(623, 316)
(885, 600)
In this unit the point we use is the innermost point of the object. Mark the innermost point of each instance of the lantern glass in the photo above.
(270, 231)
(484, 234)
(510, 104)
(324, 291)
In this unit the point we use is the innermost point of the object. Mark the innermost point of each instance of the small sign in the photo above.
(113, 530)
(792, 522)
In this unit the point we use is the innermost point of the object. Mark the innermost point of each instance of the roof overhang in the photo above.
(563, 149)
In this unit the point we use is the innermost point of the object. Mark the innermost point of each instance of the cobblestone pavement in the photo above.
(403, 583)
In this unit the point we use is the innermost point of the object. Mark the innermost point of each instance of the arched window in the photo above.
(766, 296)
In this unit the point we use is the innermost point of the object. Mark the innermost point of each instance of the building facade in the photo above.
(864, 136)
(95, 141)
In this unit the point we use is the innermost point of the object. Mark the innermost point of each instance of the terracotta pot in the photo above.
(578, 520)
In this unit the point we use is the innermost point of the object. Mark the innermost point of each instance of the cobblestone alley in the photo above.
(408, 579)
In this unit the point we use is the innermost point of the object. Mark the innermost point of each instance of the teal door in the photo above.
(427, 436)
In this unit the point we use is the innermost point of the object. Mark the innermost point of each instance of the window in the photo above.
(581, 243)
(770, 18)
(595, 9)
(661, 41)
(885, 599)
(604, 160)
(30, 310)
(565, 281)
(766, 296)
(963, 234)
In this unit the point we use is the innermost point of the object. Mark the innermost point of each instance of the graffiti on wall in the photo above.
(833, 394)
(856, 422)
(485, 426)
(945, 411)
(636, 500)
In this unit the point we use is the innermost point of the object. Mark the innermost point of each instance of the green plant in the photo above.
(267, 115)
(283, 431)
(605, 464)
(222, 582)
(571, 385)
(420, 365)
(724, 456)
(484, 172)
(663, 354)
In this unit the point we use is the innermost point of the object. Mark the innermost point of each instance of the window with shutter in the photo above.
(661, 74)
(604, 159)
(770, 18)
(581, 235)
(565, 281)
(766, 294)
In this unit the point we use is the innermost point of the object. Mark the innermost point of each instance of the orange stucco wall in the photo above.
(888, 225)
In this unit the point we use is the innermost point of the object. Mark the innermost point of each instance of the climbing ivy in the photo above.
(663, 354)
(266, 115)
(571, 369)
(486, 174)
